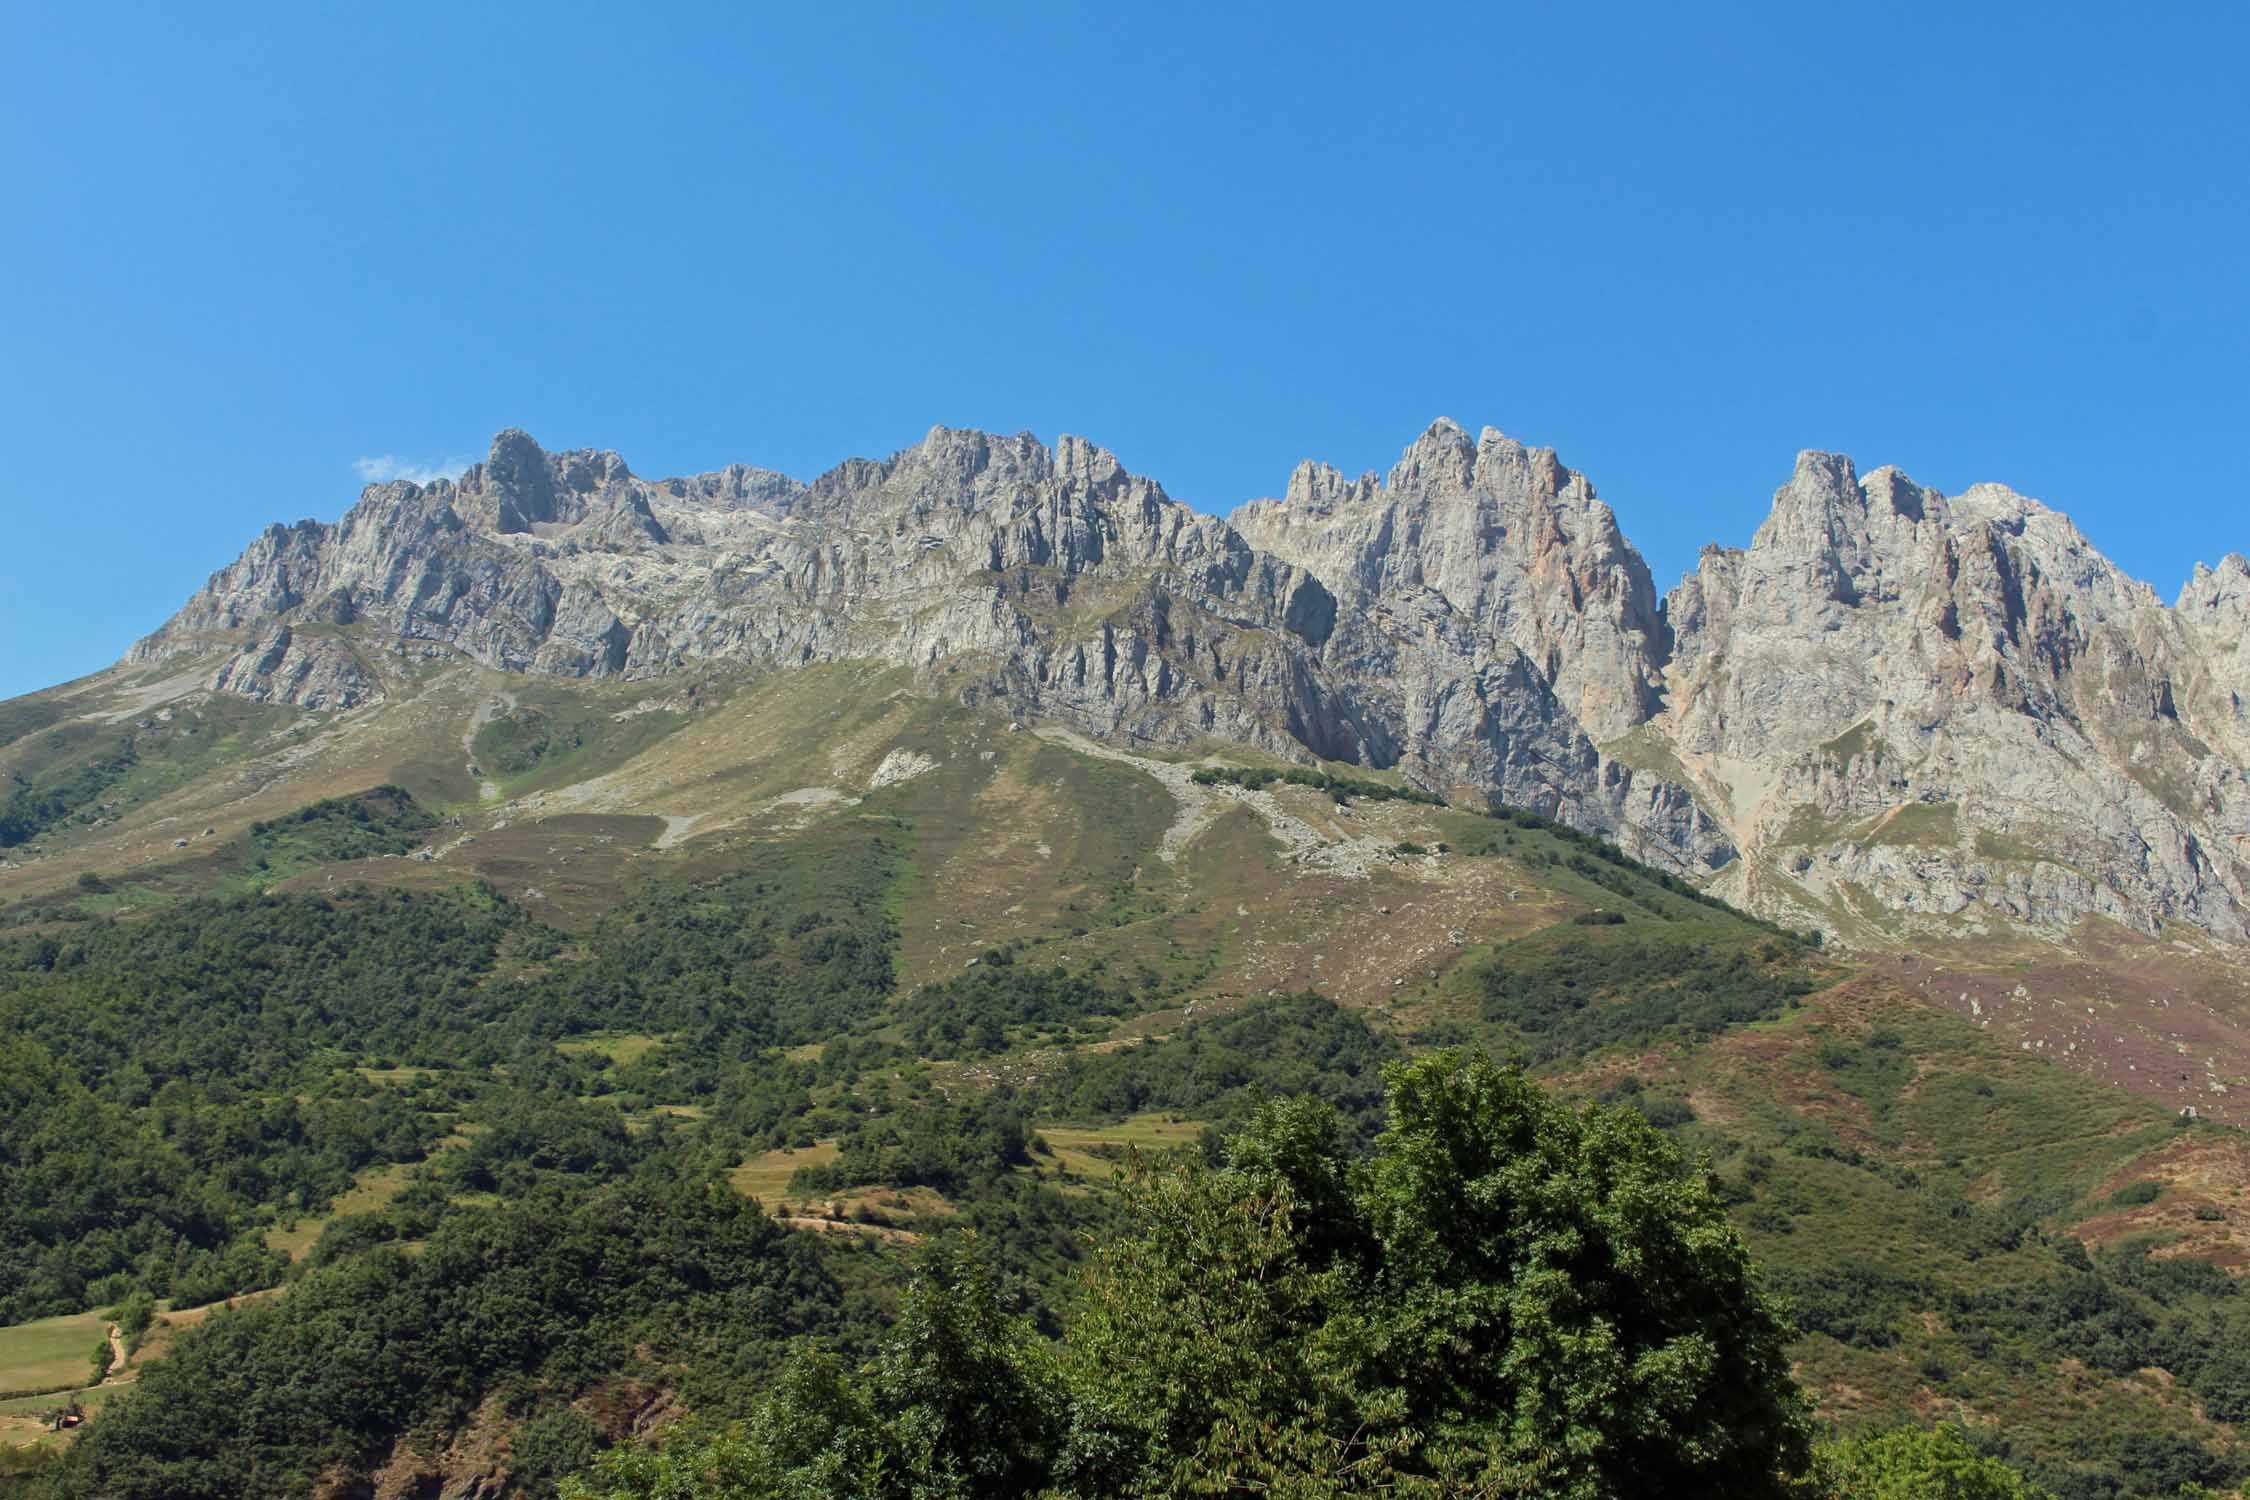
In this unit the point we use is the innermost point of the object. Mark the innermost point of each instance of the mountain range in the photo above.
(908, 848)
(1897, 717)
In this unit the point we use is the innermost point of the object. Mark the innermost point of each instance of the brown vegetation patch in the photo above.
(2165, 1021)
(2202, 1172)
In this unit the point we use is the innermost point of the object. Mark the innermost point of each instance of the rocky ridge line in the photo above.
(1911, 714)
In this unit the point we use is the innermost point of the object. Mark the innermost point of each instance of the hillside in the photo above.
(501, 867)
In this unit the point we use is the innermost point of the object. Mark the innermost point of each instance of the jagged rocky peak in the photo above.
(1461, 499)
(588, 495)
(1884, 658)
(1510, 546)
(737, 487)
(1318, 489)
(964, 470)
(521, 487)
(2214, 611)
(2217, 593)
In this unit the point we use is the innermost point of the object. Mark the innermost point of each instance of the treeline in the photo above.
(1343, 788)
(954, 1148)
(1604, 864)
(98, 1198)
(795, 949)
(998, 1001)
(1298, 1046)
(253, 991)
(1570, 991)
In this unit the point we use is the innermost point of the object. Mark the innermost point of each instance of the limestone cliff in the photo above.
(1906, 713)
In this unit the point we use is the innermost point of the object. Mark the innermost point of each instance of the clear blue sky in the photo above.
(245, 252)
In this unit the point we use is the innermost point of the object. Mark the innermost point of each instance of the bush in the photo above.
(2135, 1194)
(134, 1315)
(550, 1447)
(1912, 1463)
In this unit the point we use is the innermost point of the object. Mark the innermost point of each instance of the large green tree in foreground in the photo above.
(1921, 1464)
(1507, 1298)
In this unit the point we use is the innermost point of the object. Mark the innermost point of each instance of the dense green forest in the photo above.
(560, 1113)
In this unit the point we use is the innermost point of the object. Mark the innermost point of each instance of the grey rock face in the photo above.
(1501, 542)
(1907, 713)
(1945, 714)
(1489, 600)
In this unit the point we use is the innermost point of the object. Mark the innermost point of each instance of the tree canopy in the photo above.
(1508, 1296)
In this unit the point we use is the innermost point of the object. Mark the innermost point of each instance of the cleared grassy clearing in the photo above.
(51, 1353)
(765, 1176)
(623, 1049)
(23, 1419)
(553, 736)
(1095, 1152)
(398, 1078)
(374, 1189)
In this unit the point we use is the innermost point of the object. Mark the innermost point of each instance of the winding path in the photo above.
(118, 1355)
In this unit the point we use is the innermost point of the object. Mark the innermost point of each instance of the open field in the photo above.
(23, 1419)
(1088, 1154)
(51, 1353)
(765, 1176)
(1093, 1154)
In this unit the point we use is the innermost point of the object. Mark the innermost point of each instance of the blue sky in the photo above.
(247, 254)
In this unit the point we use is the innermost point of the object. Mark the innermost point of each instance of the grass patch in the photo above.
(373, 1190)
(622, 1049)
(562, 739)
(1094, 1153)
(1643, 748)
(1853, 743)
(50, 1354)
(1926, 825)
(370, 824)
(765, 1176)
(1990, 845)
(27, 716)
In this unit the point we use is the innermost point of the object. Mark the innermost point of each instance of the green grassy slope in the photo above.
(897, 971)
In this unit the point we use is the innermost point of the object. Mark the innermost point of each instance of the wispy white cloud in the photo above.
(383, 468)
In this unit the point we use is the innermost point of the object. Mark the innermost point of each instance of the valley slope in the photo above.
(734, 824)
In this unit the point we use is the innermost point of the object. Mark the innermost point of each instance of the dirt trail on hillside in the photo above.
(117, 1356)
